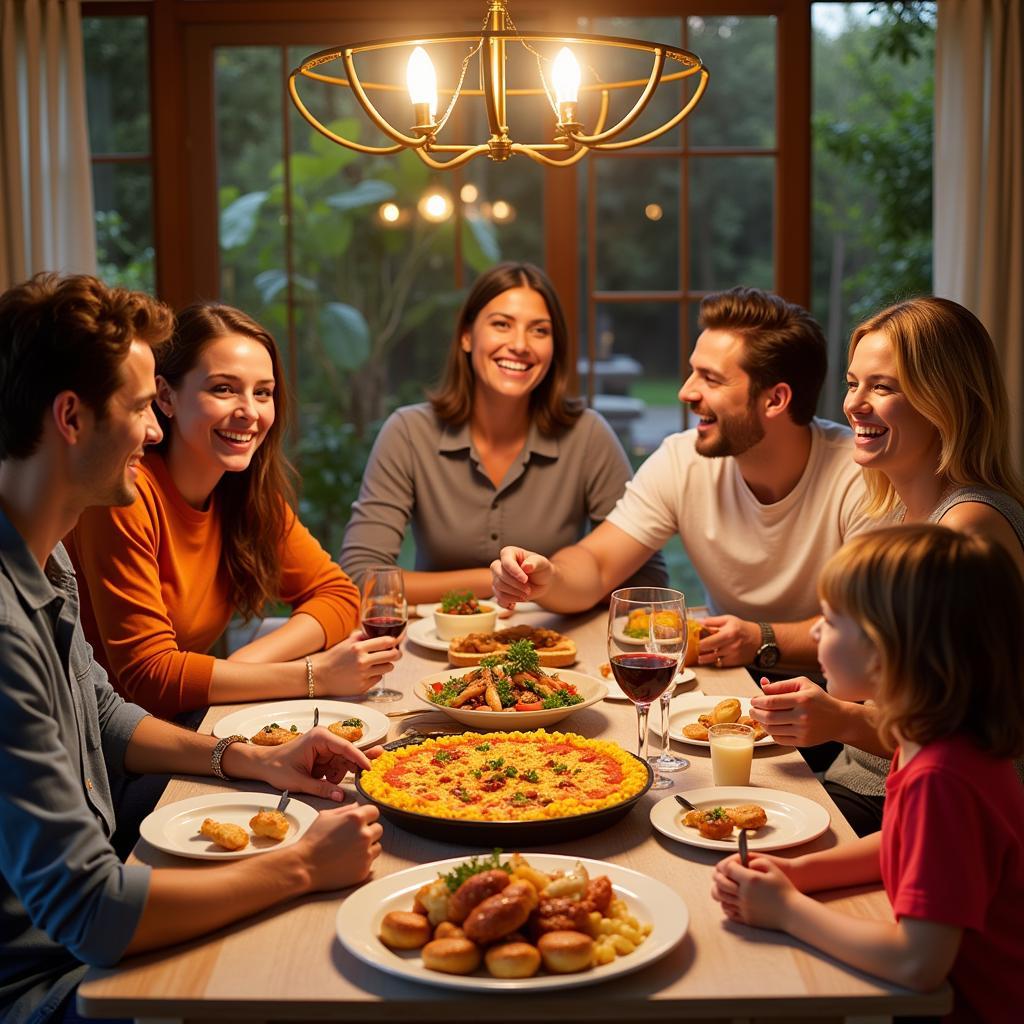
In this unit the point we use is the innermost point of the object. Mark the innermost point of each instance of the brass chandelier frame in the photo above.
(571, 143)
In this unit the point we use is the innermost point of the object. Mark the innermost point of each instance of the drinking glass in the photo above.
(384, 613)
(645, 663)
(732, 751)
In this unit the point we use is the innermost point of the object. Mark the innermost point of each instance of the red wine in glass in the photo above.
(383, 625)
(644, 677)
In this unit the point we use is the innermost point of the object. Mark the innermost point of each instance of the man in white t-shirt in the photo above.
(761, 492)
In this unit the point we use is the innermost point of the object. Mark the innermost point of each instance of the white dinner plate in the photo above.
(249, 720)
(682, 679)
(684, 709)
(590, 689)
(792, 819)
(359, 918)
(423, 631)
(174, 828)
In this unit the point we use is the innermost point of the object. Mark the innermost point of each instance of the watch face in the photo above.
(768, 656)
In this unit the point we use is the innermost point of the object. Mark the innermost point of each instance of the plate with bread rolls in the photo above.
(512, 923)
(691, 714)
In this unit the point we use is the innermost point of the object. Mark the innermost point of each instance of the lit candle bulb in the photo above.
(422, 82)
(566, 76)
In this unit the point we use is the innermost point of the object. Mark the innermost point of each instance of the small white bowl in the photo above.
(449, 626)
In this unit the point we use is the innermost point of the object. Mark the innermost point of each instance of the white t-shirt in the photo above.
(760, 562)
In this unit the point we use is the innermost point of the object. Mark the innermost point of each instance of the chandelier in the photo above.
(562, 86)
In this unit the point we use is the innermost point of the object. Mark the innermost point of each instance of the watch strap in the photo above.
(218, 754)
(767, 634)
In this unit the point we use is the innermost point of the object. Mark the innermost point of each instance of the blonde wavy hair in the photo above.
(943, 610)
(948, 369)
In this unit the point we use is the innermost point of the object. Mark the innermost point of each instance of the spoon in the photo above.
(686, 803)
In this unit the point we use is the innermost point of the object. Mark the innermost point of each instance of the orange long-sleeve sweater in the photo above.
(155, 596)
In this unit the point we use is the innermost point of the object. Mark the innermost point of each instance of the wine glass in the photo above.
(645, 664)
(384, 613)
(666, 761)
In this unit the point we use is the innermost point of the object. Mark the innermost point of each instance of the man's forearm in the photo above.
(576, 584)
(797, 651)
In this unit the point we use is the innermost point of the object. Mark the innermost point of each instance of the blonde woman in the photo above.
(928, 408)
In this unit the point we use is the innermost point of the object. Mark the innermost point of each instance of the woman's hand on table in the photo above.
(520, 575)
(731, 641)
(315, 763)
(339, 848)
(799, 712)
(761, 895)
(355, 664)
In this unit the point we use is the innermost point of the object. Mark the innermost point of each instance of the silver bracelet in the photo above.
(218, 754)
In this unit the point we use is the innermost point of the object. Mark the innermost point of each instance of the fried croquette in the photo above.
(347, 731)
(230, 837)
(274, 735)
(695, 731)
(272, 824)
(726, 711)
(747, 816)
(759, 730)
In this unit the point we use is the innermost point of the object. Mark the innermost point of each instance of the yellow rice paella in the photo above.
(505, 776)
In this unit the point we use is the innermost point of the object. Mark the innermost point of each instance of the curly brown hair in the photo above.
(944, 611)
(68, 333)
(253, 503)
(554, 409)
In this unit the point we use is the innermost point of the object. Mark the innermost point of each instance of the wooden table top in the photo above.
(287, 964)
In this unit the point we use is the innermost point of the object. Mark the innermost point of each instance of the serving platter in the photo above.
(359, 917)
(590, 689)
(792, 819)
(512, 835)
(174, 828)
(249, 720)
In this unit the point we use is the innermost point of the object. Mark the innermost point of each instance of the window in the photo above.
(117, 98)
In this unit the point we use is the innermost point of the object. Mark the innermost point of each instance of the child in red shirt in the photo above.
(929, 624)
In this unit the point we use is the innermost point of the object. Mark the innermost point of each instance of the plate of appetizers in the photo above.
(386, 924)
(690, 715)
(772, 819)
(225, 826)
(284, 720)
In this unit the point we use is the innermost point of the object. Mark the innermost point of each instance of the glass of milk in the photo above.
(732, 750)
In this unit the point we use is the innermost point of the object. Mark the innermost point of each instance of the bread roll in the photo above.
(566, 952)
(451, 956)
(402, 929)
(513, 960)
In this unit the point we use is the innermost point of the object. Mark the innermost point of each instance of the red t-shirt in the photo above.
(953, 852)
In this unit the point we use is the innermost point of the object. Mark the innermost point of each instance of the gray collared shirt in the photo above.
(428, 474)
(65, 898)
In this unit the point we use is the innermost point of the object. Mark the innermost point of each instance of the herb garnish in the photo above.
(474, 866)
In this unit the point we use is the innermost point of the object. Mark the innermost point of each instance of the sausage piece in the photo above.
(474, 890)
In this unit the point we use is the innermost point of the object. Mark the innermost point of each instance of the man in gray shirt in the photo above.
(76, 386)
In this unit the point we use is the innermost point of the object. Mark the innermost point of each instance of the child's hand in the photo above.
(759, 895)
(355, 664)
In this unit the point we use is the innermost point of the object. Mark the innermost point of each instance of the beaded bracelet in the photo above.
(309, 678)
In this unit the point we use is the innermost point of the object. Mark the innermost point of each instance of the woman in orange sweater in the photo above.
(213, 533)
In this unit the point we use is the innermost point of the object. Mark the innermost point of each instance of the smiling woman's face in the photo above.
(222, 410)
(510, 344)
(889, 433)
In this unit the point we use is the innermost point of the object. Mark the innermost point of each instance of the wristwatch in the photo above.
(218, 754)
(767, 655)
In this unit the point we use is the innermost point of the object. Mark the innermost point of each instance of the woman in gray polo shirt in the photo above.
(501, 454)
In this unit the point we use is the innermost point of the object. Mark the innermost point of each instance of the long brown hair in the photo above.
(949, 370)
(944, 610)
(554, 409)
(253, 503)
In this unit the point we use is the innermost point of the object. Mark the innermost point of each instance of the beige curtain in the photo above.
(979, 176)
(46, 208)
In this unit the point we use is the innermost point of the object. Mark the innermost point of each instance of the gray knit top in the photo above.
(863, 772)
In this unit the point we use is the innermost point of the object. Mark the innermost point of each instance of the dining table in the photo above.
(287, 963)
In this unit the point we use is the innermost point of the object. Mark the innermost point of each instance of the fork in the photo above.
(283, 802)
(744, 853)
(316, 717)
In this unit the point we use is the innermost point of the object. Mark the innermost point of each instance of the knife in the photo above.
(316, 717)
(744, 853)
(283, 802)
